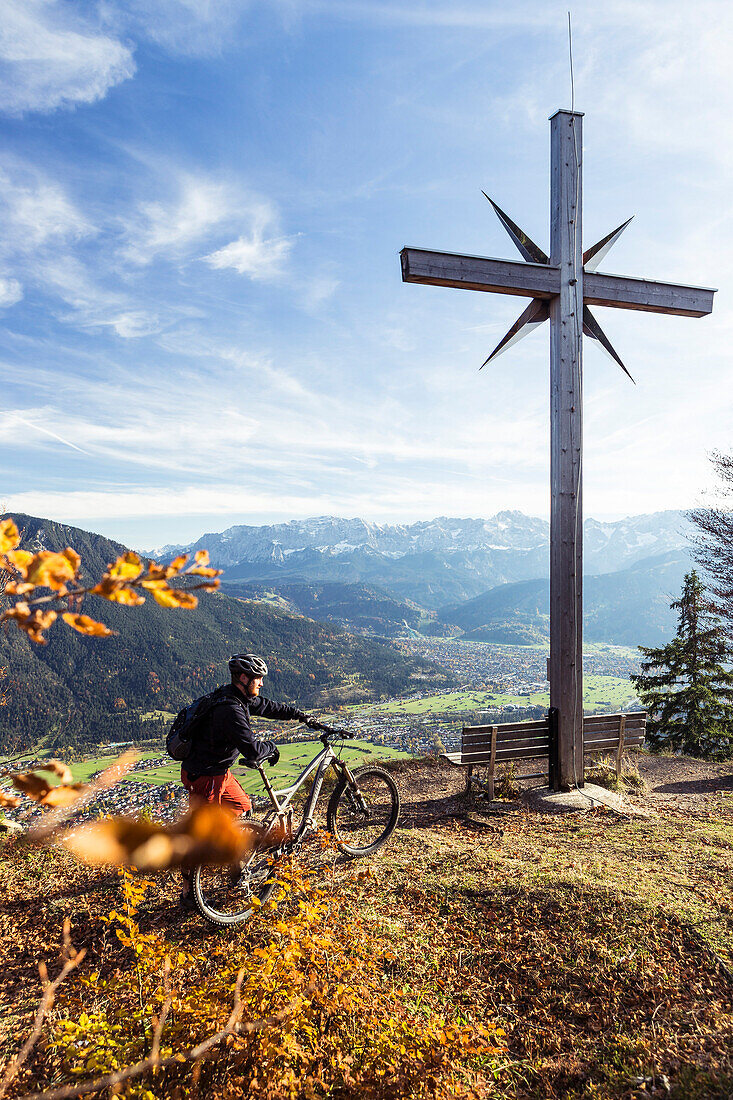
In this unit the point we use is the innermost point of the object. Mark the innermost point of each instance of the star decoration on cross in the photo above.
(538, 310)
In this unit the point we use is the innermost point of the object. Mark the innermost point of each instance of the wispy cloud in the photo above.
(160, 228)
(51, 59)
(10, 292)
(257, 256)
(194, 28)
(17, 418)
(37, 211)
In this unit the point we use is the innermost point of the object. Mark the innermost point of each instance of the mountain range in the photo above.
(444, 575)
(79, 690)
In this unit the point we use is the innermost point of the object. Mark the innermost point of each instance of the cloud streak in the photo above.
(51, 60)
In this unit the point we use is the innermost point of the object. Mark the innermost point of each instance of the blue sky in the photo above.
(203, 320)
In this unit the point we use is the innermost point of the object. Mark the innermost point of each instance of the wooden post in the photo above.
(566, 396)
(552, 763)
(492, 762)
(619, 751)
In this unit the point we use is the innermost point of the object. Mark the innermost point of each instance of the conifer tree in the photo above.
(687, 685)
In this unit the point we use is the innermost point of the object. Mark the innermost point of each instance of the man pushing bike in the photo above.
(225, 733)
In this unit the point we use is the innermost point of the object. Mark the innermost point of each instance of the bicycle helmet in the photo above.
(248, 663)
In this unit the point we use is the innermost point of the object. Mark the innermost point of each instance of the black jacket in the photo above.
(226, 733)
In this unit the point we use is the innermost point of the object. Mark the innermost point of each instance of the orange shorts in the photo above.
(224, 789)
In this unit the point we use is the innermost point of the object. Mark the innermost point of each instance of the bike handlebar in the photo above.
(330, 734)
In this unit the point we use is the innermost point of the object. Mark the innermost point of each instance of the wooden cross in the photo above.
(562, 287)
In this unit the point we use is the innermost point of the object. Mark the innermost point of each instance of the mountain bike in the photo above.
(361, 816)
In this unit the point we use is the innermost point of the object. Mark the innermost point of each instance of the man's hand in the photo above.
(308, 720)
(274, 758)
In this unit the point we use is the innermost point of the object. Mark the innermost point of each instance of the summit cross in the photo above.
(562, 287)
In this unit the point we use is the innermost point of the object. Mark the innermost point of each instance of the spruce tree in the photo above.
(687, 685)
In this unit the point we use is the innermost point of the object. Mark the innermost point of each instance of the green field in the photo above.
(598, 691)
(293, 759)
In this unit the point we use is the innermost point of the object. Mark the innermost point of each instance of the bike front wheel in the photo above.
(363, 817)
(229, 894)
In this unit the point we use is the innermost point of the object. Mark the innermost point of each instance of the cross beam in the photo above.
(562, 287)
(528, 280)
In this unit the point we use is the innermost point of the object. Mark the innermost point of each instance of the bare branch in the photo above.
(73, 959)
(233, 1027)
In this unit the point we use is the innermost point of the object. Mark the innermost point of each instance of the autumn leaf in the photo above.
(57, 767)
(49, 570)
(174, 597)
(40, 790)
(18, 588)
(176, 565)
(117, 592)
(19, 559)
(201, 557)
(208, 834)
(32, 622)
(126, 568)
(85, 625)
(9, 535)
(8, 801)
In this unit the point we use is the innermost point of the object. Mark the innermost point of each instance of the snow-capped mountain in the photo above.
(431, 562)
(608, 546)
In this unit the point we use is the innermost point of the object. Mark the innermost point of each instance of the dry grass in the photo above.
(602, 945)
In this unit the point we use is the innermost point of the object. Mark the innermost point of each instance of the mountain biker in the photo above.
(225, 734)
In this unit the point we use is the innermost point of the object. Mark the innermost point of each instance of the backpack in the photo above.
(179, 739)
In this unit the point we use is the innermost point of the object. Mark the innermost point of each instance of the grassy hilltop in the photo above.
(513, 956)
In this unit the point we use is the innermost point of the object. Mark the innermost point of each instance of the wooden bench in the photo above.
(511, 741)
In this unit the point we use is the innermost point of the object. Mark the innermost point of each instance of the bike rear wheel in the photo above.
(224, 895)
(362, 819)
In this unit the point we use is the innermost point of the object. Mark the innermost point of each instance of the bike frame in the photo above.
(281, 800)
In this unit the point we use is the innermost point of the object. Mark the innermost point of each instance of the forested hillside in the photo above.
(78, 690)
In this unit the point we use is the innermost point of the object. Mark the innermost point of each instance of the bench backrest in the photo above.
(531, 740)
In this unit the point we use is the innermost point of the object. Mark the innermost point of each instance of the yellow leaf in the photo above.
(49, 570)
(20, 560)
(117, 592)
(57, 767)
(208, 834)
(203, 571)
(174, 597)
(18, 588)
(7, 801)
(176, 564)
(9, 535)
(85, 625)
(40, 790)
(32, 622)
(201, 557)
(63, 795)
(72, 557)
(127, 567)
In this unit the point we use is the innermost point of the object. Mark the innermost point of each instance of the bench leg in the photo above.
(469, 773)
(491, 785)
